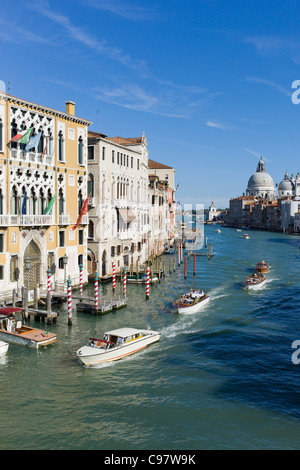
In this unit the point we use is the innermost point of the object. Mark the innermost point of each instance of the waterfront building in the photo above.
(43, 180)
(261, 183)
(118, 229)
(289, 207)
(161, 197)
(239, 209)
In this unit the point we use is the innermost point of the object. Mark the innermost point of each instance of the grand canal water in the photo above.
(219, 379)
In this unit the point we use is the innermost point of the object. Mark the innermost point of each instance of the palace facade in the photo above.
(42, 190)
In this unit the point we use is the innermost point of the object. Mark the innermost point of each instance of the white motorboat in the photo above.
(218, 230)
(191, 302)
(115, 345)
(255, 282)
(246, 236)
(3, 348)
(13, 331)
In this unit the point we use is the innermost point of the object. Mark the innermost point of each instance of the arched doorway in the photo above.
(104, 263)
(33, 253)
(91, 263)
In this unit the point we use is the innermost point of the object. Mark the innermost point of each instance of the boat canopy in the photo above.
(9, 310)
(123, 332)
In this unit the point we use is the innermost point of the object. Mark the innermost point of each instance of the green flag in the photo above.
(49, 207)
(25, 137)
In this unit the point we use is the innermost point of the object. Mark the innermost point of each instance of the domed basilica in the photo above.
(261, 184)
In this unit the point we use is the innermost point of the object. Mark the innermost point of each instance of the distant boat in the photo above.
(169, 251)
(191, 302)
(142, 279)
(246, 236)
(262, 267)
(238, 230)
(218, 230)
(255, 281)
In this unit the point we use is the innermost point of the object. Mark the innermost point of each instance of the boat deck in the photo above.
(32, 334)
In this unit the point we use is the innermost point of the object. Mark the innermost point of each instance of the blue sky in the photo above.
(208, 81)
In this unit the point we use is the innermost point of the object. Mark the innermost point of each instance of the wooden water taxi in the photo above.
(255, 281)
(246, 236)
(262, 267)
(142, 279)
(115, 345)
(191, 302)
(13, 331)
(3, 348)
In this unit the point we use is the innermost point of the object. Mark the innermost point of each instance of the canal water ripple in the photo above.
(222, 378)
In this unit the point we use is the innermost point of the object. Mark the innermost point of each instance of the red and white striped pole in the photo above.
(148, 283)
(69, 301)
(80, 277)
(96, 290)
(124, 285)
(49, 279)
(178, 255)
(114, 277)
(181, 257)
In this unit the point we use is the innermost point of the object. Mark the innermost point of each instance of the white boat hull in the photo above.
(3, 348)
(23, 341)
(193, 308)
(91, 356)
(254, 286)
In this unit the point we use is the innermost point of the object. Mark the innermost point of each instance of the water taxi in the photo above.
(255, 281)
(115, 345)
(191, 302)
(218, 230)
(3, 348)
(13, 331)
(262, 267)
(246, 236)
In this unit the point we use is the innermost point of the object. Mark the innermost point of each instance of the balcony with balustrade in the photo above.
(31, 157)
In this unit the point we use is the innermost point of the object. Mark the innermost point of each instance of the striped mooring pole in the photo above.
(194, 264)
(124, 283)
(49, 279)
(69, 301)
(178, 255)
(80, 277)
(185, 266)
(96, 290)
(181, 256)
(148, 283)
(114, 277)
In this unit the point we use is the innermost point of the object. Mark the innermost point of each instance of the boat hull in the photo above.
(3, 348)
(193, 308)
(14, 338)
(90, 356)
(254, 286)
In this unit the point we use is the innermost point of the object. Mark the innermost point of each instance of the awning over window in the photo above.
(127, 215)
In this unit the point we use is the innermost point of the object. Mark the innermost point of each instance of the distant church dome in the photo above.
(261, 183)
(286, 187)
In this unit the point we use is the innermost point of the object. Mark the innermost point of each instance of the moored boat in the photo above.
(169, 251)
(262, 267)
(142, 279)
(255, 281)
(12, 330)
(115, 345)
(191, 302)
(3, 348)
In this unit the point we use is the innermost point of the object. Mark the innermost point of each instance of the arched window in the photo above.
(1, 135)
(61, 202)
(90, 185)
(80, 150)
(91, 230)
(61, 156)
(13, 132)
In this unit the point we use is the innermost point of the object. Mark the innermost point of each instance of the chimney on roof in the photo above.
(70, 108)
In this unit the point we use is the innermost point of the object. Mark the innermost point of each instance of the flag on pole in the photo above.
(24, 204)
(22, 137)
(44, 151)
(49, 207)
(33, 142)
(83, 211)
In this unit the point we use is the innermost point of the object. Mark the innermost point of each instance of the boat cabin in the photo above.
(11, 319)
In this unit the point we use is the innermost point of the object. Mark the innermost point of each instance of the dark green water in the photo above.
(218, 379)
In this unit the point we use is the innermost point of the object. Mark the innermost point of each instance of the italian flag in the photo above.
(22, 137)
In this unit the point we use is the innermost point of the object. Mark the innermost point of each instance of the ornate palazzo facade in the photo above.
(56, 169)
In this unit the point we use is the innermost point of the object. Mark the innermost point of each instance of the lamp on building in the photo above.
(27, 266)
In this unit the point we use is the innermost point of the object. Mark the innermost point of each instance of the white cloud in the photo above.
(218, 125)
(271, 84)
